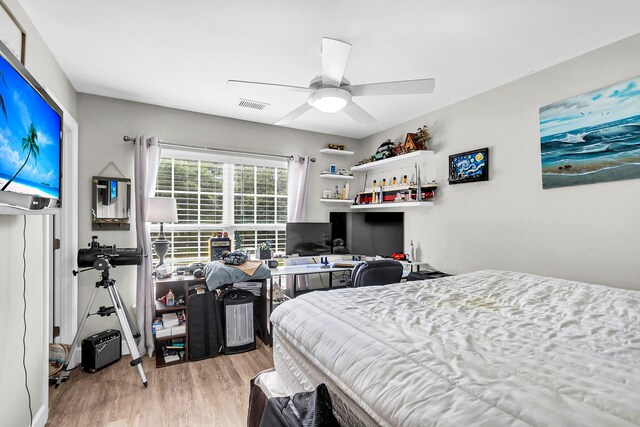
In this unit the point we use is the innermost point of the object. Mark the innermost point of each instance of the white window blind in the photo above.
(247, 198)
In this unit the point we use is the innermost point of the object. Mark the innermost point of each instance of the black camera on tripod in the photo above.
(102, 256)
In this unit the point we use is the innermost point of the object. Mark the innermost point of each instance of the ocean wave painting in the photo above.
(591, 138)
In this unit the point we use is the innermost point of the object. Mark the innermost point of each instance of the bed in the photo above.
(490, 348)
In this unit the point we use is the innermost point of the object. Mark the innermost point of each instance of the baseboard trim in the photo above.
(41, 417)
(76, 359)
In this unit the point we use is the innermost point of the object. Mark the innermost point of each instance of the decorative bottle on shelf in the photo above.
(171, 299)
(404, 179)
(384, 182)
(393, 181)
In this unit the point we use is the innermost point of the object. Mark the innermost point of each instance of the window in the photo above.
(247, 198)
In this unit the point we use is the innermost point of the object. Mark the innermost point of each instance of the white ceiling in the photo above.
(180, 54)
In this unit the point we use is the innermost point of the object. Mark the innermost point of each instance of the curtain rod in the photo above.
(219, 150)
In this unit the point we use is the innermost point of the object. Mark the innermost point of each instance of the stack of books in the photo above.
(170, 319)
(174, 350)
(171, 324)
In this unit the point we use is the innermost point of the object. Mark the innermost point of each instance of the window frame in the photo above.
(228, 201)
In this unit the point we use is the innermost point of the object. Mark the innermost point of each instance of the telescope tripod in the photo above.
(123, 317)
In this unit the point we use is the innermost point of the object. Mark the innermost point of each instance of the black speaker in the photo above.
(101, 350)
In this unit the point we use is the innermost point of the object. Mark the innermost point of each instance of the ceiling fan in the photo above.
(332, 92)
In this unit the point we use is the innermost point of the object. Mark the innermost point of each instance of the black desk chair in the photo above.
(379, 272)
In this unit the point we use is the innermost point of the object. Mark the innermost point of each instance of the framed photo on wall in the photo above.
(11, 33)
(470, 166)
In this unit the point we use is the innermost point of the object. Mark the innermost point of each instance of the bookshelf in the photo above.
(173, 342)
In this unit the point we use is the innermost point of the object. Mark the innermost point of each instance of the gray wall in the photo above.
(103, 123)
(588, 233)
(13, 405)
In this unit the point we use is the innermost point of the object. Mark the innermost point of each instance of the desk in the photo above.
(307, 269)
(300, 270)
(416, 264)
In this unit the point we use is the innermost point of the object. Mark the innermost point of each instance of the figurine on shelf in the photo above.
(410, 143)
(386, 150)
(424, 137)
(416, 141)
(398, 149)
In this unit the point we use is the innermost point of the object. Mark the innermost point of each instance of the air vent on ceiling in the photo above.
(256, 105)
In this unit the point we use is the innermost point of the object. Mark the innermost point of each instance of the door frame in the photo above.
(64, 286)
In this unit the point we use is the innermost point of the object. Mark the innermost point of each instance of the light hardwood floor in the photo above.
(210, 392)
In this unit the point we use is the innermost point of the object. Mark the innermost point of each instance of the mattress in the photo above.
(489, 348)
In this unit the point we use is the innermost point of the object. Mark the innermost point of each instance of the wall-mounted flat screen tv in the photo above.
(30, 139)
(308, 238)
(367, 233)
(470, 166)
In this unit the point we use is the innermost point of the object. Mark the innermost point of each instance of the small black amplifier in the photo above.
(101, 350)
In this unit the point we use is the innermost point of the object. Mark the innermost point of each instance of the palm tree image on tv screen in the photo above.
(29, 144)
(29, 138)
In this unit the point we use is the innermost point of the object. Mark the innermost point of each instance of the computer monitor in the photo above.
(368, 233)
(308, 238)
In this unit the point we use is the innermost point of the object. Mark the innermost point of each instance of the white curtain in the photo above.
(147, 160)
(298, 187)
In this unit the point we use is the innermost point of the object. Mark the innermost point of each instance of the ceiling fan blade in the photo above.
(294, 114)
(406, 87)
(335, 54)
(274, 85)
(358, 114)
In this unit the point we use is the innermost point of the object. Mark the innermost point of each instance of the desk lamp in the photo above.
(161, 209)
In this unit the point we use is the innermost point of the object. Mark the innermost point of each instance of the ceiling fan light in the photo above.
(329, 100)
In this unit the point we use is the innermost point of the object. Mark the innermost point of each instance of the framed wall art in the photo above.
(11, 33)
(593, 137)
(470, 166)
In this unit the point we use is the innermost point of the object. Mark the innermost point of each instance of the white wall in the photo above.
(13, 404)
(588, 233)
(103, 123)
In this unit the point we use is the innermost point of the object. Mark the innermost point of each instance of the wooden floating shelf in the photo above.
(336, 152)
(392, 205)
(170, 337)
(160, 362)
(336, 200)
(415, 155)
(335, 176)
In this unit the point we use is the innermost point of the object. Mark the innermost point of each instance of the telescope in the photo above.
(114, 256)
(102, 258)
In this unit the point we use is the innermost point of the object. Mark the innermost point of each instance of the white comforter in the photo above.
(488, 348)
